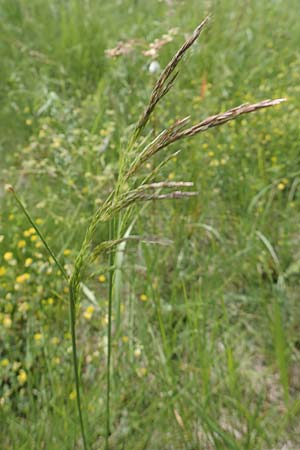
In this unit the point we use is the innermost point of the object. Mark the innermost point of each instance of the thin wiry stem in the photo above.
(37, 229)
(72, 310)
(109, 337)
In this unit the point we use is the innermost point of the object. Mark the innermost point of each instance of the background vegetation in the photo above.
(206, 350)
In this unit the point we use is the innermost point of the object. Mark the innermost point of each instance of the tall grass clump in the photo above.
(135, 184)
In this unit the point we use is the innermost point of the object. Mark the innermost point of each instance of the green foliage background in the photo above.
(206, 355)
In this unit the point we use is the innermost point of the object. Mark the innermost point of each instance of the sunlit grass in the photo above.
(207, 349)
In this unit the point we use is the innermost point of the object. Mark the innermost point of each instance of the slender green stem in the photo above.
(23, 208)
(109, 337)
(72, 303)
(72, 306)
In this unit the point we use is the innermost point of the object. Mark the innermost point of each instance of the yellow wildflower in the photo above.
(39, 221)
(89, 312)
(125, 339)
(67, 251)
(7, 322)
(33, 238)
(4, 362)
(28, 262)
(22, 243)
(50, 301)
(281, 186)
(22, 377)
(56, 360)
(143, 297)
(37, 337)
(72, 395)
(28, 122)
(2, 271)
(54, 340)
(8, 256)
(171, 176)
(38, 245)
(23, 278)
(11, 217)
(102, 278)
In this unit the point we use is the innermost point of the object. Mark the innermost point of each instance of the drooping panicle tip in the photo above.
(274, 102)
(280, 100)
(203, 23)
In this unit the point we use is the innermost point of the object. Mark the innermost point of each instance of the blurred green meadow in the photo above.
(206, 334)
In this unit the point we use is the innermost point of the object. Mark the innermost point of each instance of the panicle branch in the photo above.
(178, 131)
(220, 119)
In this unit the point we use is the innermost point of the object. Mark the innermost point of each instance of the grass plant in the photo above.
(189, 347)
(125, 197)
